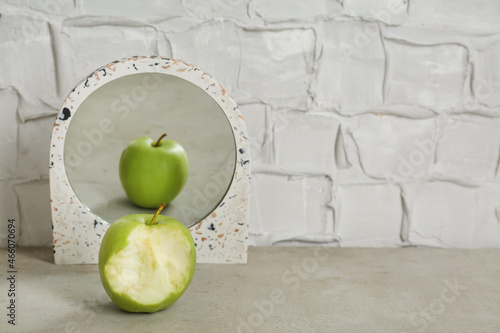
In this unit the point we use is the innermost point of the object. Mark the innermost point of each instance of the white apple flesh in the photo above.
(153, 265)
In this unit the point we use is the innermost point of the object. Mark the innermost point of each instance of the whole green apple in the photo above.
(153, 172)
(146, 261)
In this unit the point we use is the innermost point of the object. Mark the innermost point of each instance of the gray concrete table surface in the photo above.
(281, 289)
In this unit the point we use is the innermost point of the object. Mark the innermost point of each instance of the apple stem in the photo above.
(153, 220)
(161, 137)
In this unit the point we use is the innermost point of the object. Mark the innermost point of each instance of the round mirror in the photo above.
(141, 97)
(149, 104)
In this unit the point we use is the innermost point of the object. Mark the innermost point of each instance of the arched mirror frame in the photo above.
(77, 233)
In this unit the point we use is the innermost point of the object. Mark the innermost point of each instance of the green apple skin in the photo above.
(152, 174)
(117, 239)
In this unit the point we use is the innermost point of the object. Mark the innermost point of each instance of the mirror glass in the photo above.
(149, 104)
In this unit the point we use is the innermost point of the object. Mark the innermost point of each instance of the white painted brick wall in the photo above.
(372, 122)
(350, 72)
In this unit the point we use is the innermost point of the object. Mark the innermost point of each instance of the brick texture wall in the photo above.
(372, 122)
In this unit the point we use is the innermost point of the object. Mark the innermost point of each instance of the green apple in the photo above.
(153, 172)
(146, 261)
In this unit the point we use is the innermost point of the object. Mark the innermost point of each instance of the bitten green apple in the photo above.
(153, 172)
(146, 261)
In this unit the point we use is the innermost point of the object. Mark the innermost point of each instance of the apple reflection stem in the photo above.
(121, 106)
(159, 140)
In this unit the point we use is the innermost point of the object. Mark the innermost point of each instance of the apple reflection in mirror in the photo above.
(153, 172)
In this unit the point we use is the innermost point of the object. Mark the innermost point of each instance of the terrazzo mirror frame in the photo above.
(221, 237)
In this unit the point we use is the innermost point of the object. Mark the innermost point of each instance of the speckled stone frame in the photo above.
(220, 238)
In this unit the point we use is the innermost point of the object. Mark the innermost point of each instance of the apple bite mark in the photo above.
(153, 265)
